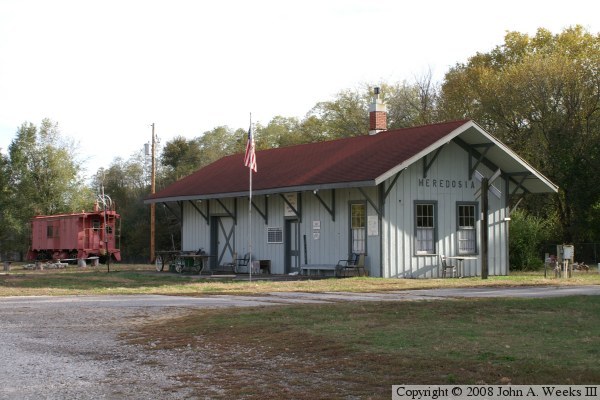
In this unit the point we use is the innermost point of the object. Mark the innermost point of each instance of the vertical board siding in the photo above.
(451, 167)
(331, 245)
(195, 230)
(391, 252)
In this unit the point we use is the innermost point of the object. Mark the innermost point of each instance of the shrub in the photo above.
(527, 233)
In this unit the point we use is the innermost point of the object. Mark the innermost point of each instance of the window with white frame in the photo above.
(358, 227)
(466, 228)
(425, 227)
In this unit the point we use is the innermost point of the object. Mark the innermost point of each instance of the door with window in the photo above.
(358, 228)
(292, 246)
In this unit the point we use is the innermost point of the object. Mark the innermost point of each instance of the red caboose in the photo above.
(76, 236)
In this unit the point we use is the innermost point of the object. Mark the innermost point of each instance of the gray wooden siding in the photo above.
(334, 236)
(446, 183)
(331, 245)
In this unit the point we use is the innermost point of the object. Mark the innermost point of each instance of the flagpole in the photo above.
(250, 162)
(250, 262)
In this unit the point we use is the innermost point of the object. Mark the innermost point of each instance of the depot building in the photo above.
(401, 197)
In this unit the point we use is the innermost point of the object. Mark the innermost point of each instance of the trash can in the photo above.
(7, 265)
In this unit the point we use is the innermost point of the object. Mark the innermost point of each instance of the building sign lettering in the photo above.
(447, 183)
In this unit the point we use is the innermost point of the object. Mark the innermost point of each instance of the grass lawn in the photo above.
(359, 350)
(143, 279)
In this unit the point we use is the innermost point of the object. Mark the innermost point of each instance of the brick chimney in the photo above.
(377, 114)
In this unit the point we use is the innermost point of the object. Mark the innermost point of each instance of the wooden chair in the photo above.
(356, 263)
(445, 267)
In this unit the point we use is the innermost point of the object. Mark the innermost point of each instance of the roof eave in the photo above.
(407, 163)
(448, 138)
(262, 192)
(516, 157)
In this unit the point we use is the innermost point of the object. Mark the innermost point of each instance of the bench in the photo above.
(321, 269)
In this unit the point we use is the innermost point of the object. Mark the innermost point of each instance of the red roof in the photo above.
(334, 163)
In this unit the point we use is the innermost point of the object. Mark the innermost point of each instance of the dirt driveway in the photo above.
(69, 347)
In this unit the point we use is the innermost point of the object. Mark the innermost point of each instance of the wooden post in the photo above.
(484, 228)
(153, 205)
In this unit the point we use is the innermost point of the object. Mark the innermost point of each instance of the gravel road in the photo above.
(69, 347)
(73, 352)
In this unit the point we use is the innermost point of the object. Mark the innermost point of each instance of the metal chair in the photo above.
(356, 262)
(445, 267)
(230, 266)
(242, 262)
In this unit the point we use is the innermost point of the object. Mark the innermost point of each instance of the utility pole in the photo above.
(152, 191)
(105, 205)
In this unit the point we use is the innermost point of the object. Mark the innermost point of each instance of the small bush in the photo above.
(527, 233)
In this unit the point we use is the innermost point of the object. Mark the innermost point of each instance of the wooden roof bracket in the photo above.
(205, 216)
(512, 210)
(428, 164)
(491, 188)
(264, 215)
(393, 183)
(298, 214)
(473, 152)
(330, 210)
(231, 214)
(377, 210)
(519, 184)
(172, 212)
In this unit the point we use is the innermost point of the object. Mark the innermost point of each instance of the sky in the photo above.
(106, 70)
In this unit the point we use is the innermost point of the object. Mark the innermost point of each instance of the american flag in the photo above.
(250, 157)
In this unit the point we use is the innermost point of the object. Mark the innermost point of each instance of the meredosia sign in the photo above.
(447, 183)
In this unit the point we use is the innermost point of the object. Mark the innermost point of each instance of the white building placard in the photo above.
(372, 225)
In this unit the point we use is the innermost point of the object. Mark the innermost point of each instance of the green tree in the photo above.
(7, 212)
(219, 142)
(44, 176)
(412, 104)
(312, 129)
(280, 132)
(541, 96)
(345, 116)
(180, 157)
(127, 182)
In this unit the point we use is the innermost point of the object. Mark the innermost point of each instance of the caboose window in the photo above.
(96, 224)
(50, 232)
